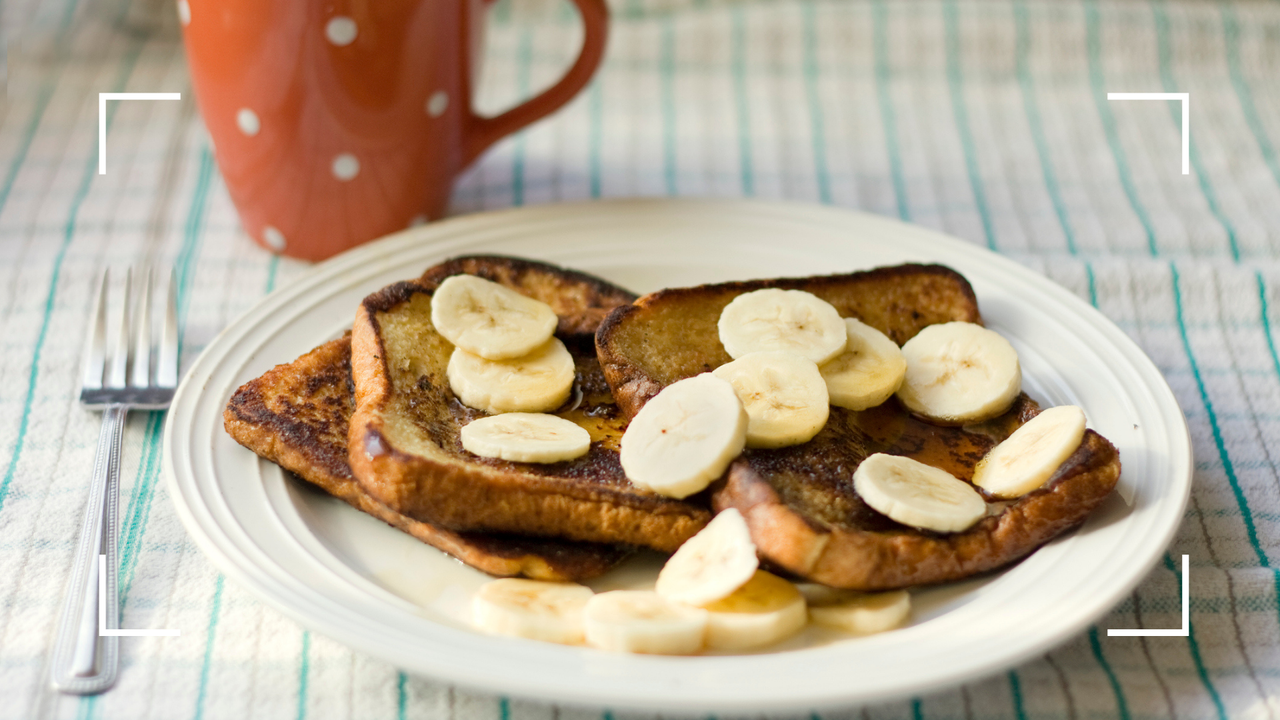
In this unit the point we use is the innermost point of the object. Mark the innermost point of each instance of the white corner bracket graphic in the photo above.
(1186, 118)
(1183, 631)
(102, 610)
(102, 118)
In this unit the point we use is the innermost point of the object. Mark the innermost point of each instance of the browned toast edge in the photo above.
(868, 560)
(294, 445)
(479, 497)
(633, 386)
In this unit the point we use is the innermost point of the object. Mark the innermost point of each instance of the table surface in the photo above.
(986, 120)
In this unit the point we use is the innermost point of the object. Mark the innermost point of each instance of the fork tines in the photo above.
(125, 377)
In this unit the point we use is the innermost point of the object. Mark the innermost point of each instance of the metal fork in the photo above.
(85, 661)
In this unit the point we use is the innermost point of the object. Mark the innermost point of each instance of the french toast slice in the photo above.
(404, 445)
(799, 501)
(297, 416)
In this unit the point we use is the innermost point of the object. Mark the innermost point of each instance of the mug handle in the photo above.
(481, 132)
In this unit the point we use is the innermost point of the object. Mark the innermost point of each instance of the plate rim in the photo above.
(386, 248)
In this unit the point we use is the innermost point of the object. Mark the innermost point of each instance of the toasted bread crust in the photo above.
(297, 416)
(672, 334)
(799, 501)
(848, 557)
(437, 481)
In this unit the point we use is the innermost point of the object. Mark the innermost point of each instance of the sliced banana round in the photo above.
(868, 372)
(684, 437)
(784, 395)
(711, 565)
(766, 610)
(915, 494)
(537, 382)
(526, 437)
(959, 372)
(533, 609)
(641, 621)
(819, 595)
(1030, 456)
(863, 613)
(488, 319)
(775, 319)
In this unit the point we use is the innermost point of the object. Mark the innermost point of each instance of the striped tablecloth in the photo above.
(987, 120)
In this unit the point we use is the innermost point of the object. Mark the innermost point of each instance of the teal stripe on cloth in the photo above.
(1266, 326)
(1242, 502)
(633, 10)
(210, 634)
(1231, 33)
(917, 709)
(1164, 50)
(1093, 39)
(1195, 649)
(1015, 694)
(42, 104)
(884, 75)
(595, 106)
(87, 708)
(401, 696)
(24, 145)
(191, 231)
(668, 69)
(68, 234)
(739, 70)
(139, 505)
(1022, 49)
(816, 129)
(504, 709)
(1246, 513)
(960, 113)
(1122, 707)
(501, 12)
(211, 631)
(523, 67)
(1265, 317)
(138, 511)
(304, 671)
(273, 269)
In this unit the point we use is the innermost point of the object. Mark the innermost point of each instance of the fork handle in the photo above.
(85, 662)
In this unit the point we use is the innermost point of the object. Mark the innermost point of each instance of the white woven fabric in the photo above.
(986, 120)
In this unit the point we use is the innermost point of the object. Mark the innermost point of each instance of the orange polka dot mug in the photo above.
(338, 121)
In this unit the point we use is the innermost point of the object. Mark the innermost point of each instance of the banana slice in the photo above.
(775, 319)
(869, 370)
(1030, 456)
(641, 621)
(526, 437)
(861, 614)
(959, 373)
(819, 595)
(766, 610)
(784, 395)
(915, 494)
(712, 564)
(488, 319)
(537, 382)
(684, 437)
(532, 609)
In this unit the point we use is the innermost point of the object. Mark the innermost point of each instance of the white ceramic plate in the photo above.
(379, 591)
